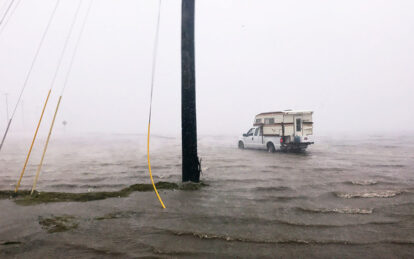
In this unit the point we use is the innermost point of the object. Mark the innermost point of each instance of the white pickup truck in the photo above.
(286, 130)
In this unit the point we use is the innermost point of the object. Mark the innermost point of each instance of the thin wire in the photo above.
(37, 54)
(3, 5)
(33, 141)
(154, 60)
(75, 51)
(60, 97)
(39, 167)
(7, 11)
(30, 70)
(11, 14)
(62, 54)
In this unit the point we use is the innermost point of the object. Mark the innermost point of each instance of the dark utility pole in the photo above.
(191, 170)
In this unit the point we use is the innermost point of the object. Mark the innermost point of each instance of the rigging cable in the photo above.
(11, 14)
(6, 12)
(29, 73)
(44, 105)
(64, 85)
(154, 59)
(3, 5)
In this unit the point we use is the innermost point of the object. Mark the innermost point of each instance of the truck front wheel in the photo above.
(270, 148)
(241, 145)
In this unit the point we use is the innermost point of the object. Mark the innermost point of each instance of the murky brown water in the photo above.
(345, 198)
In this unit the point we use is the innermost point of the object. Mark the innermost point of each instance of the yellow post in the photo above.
(33, 141)
(39, 167)
(149, 167)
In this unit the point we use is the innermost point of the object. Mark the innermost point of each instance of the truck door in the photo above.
(258, 138)
(298, 126)
(248, 139)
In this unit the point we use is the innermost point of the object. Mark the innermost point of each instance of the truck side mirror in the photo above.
(244, 135)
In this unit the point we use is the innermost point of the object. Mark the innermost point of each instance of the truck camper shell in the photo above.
(285, 123)
(290, 130)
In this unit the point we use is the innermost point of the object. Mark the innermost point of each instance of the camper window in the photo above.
(258, 120)
(269, 120)
(298, 124)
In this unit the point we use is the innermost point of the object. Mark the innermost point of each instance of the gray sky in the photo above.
(351, 62)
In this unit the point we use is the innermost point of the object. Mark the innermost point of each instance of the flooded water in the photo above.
(345, 197)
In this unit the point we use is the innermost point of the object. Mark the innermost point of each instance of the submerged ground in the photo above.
(345, 198)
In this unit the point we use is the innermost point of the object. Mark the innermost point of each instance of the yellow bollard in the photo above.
(149, 167)
(33, 141)
(39, 167)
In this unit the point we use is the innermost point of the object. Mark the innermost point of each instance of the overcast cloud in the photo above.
(352, 62)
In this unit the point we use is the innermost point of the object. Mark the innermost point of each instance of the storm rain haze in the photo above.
(331, 178)
(349, 62)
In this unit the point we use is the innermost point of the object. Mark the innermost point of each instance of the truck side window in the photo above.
(298, 125)
(256, 133)
(250, 132)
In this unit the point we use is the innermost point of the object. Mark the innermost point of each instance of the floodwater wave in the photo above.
(373, 194)
(272, 189)
(340, 196)
(363, 182)
(229, 238)
(338, 210)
